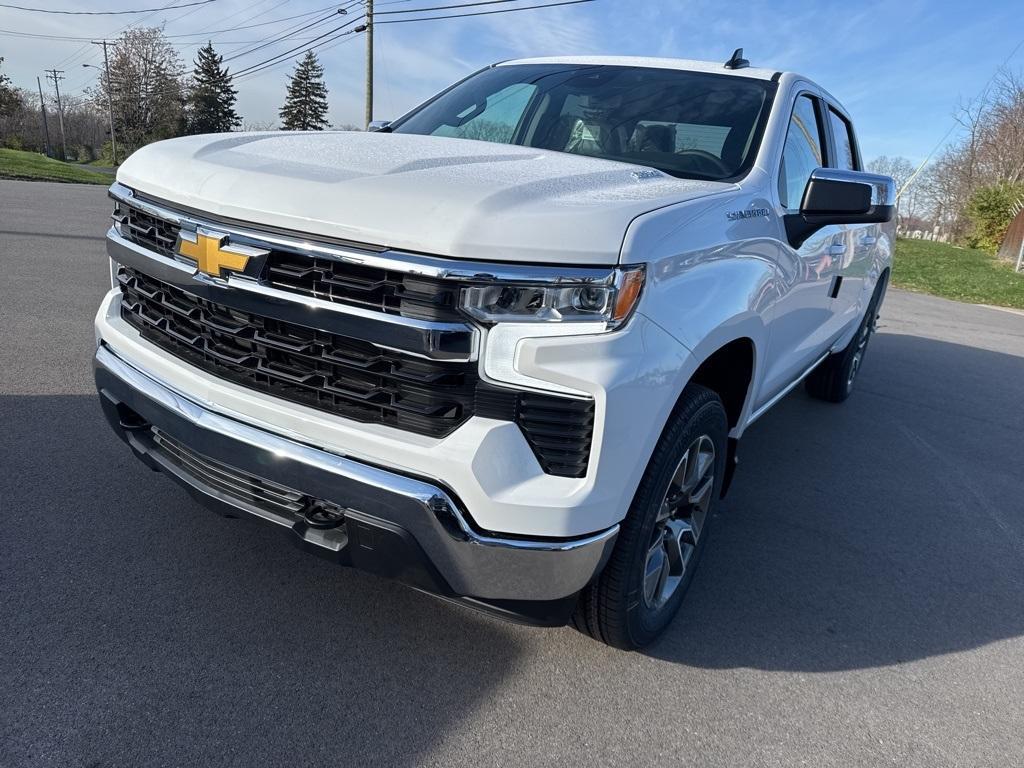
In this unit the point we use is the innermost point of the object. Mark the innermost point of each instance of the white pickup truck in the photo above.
(502, 349)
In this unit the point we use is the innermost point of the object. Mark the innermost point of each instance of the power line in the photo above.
(232, 15)
(253, 26)
(90, 51)
(296, 50)
(286, 34)
(952, 128)
(445, 7)
(344, 37)
(371, 22)
(103, 13)
(482, 13)
(331, 35)
(203, 35)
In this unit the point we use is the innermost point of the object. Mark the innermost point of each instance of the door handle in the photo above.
(834, 286)
(868, 240)
(837, 250)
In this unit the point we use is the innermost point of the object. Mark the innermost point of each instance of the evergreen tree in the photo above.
(211, 102)
(305, 108)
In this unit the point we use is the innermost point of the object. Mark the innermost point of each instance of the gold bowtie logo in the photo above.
(211, 255)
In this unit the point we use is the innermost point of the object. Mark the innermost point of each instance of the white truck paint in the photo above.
(719, 269)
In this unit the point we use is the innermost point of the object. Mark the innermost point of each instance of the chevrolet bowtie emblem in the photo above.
(212, 256)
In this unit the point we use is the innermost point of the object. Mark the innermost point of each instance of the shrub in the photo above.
(990, 210)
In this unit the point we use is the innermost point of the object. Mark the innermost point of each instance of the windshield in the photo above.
(689, 124)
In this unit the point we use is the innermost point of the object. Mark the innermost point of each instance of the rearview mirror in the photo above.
(841, 197)
(376, 126)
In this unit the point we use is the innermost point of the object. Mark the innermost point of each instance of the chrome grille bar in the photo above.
(228, 480)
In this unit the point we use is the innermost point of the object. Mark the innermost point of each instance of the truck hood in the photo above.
(441, 196)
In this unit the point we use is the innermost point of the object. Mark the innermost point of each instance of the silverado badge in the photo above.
(208, 250)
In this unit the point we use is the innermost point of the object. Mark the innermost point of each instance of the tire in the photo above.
(833, 380)
(638, 593)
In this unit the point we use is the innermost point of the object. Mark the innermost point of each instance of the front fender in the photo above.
(711, 297)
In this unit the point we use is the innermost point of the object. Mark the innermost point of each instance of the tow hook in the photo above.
(322, 515)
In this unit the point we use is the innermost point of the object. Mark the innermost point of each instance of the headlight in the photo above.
(517, 310)
(608, 302)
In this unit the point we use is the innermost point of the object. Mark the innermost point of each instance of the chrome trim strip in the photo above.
(398, 261)
(789, 388)
(455, 342)
(425, 494)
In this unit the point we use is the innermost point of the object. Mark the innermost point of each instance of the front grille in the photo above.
(150, 232)
(230, 481)
(375, 288)
(337, 374)
(332, 373)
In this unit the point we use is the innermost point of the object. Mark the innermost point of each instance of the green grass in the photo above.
(15, 164)
(963, 274)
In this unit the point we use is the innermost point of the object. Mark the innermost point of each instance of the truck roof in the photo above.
(690, 65)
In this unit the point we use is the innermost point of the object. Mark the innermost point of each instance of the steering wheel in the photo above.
(707, 160)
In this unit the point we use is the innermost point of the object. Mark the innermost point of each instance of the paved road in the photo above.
(862, 602)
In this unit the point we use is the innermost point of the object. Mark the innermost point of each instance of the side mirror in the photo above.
(376, 126)
(841, 197)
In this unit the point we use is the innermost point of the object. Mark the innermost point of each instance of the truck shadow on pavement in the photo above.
(887, 529)
(138, 626)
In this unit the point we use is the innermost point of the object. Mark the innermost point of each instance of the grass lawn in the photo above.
(15, 164)
(962, 274)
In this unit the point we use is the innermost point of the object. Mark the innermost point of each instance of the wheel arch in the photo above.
(728, 371)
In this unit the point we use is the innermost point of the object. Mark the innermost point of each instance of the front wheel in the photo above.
(665, 531)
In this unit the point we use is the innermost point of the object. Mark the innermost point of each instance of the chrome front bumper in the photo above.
(397, 526)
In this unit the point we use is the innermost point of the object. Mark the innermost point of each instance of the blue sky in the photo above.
(899, 67)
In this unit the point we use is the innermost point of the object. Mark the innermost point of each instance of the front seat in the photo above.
(654, 138)
(589, 138)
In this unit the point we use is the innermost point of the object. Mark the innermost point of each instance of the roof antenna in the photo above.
(737, 61)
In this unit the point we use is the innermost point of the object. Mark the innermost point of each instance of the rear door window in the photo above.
(845, 144)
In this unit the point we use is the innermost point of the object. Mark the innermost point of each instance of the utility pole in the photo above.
(369, 62)
(57, 75)
(42, 108)
(110, 103)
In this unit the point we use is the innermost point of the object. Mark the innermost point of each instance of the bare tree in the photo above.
(147, 89)
(990, 152)
(901, 170)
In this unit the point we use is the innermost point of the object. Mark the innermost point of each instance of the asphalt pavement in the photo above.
(861, 602)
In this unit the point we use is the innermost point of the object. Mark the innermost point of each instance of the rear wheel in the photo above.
(663, 535)
(833, 380)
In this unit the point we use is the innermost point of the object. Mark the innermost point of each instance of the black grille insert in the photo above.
(332, 373)
(349, 377)
(399, 293)
(375, 288)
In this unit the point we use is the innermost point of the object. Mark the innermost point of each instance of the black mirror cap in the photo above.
(841, 197)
